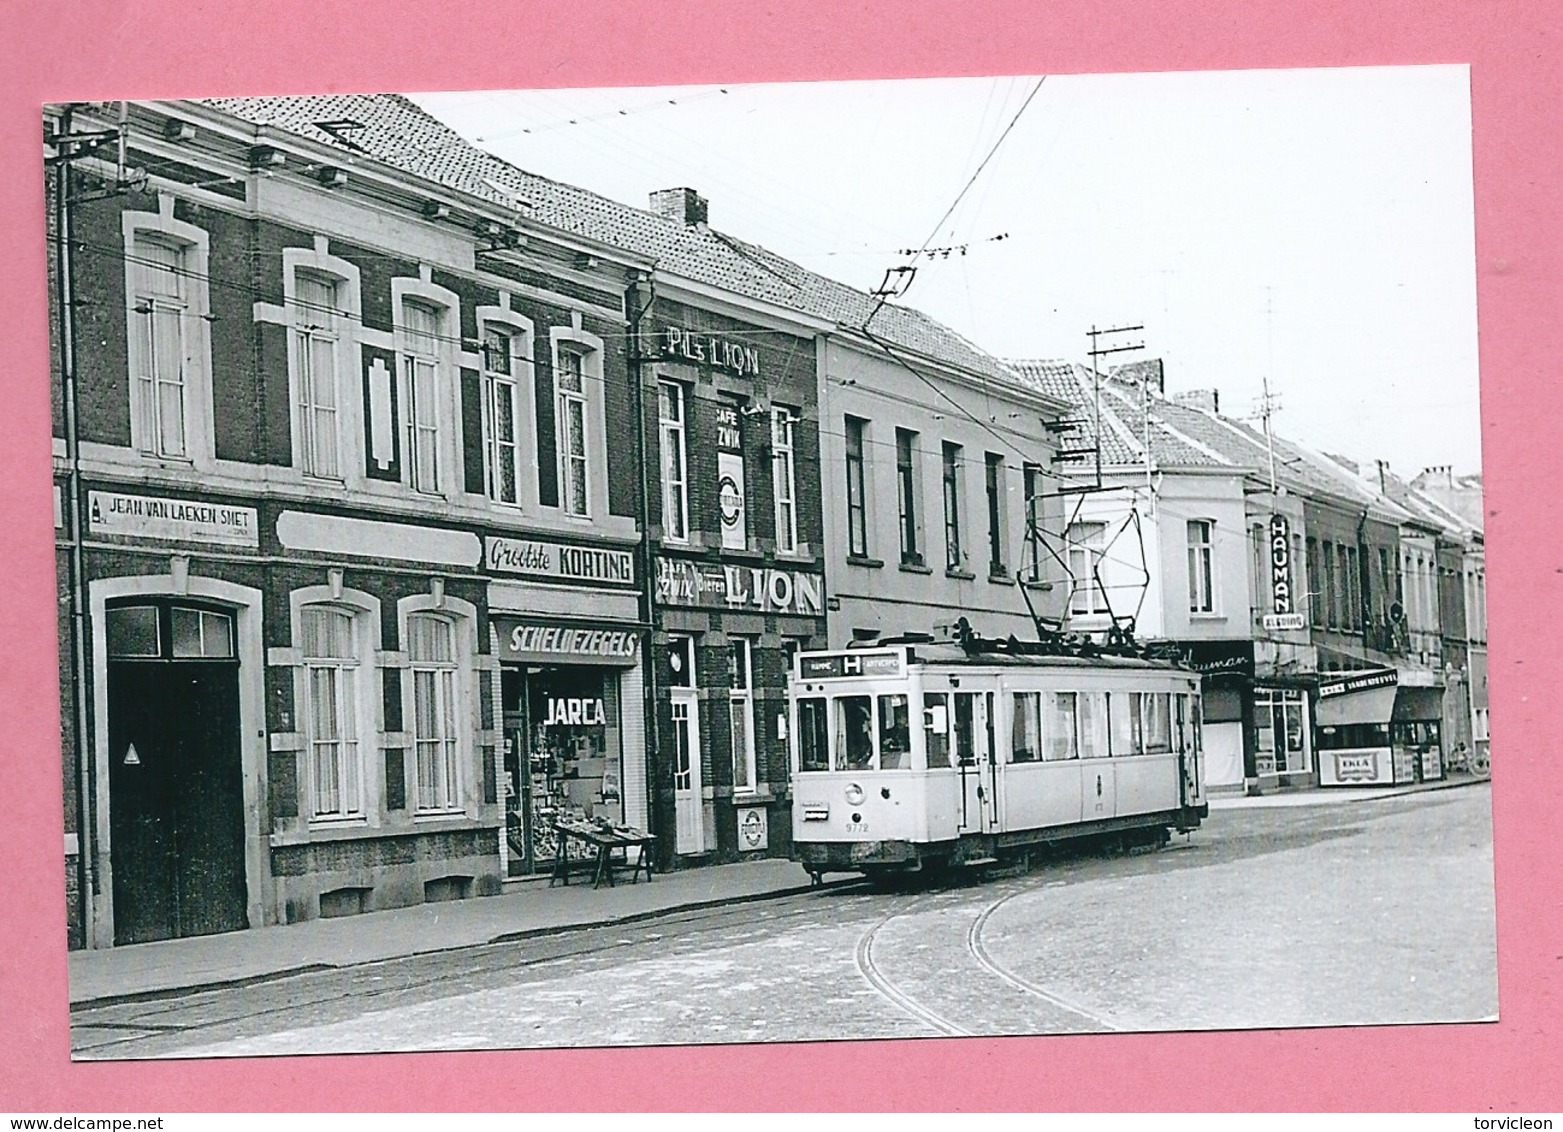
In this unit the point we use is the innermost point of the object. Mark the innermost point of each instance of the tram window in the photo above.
(1025, 736)
(1157, 731)
(966, 728)
(1061, 727)
(1124, 719)
(854, 733)
(1093, 725)
(813, 735)
(936, 729)
(132, 631)
(895, 733)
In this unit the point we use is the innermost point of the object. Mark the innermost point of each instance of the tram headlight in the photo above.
(854, 795)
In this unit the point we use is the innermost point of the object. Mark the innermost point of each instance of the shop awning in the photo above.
(1356, 697)
(1418, 703)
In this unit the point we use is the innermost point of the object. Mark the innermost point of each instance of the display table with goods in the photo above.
(606, 838)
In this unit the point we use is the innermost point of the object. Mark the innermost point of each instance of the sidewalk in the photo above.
(524, 909)
(1333, 795)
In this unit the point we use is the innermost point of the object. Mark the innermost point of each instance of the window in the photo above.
(421, 327)
(1093, 725)
(954, 556)
(330, 713)
(854, 733)
(1123, 723)
(1061, 726)
(675, 467)
(783, 480)
(1155, 723)
(895, 733)
(162, 327)
(502, 365)
(316, 338)
(1353, 616)
(570, 383)
(1031, 488)
(1202, 597)
(1331, 593)
(168, 632)
(740, 707)
(857, 499)
(993, 483)
(1086, 555)
(1280, 733)
(813, 734)
(1316, 596)
(1343, 616)
(1026, 732)
(936, 729)
(431, 655)
(681, 662)
(906, 493)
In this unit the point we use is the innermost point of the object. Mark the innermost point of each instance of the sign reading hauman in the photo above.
(183, 520)
(1280, 564)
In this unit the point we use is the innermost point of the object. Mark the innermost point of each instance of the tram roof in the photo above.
(940, 653)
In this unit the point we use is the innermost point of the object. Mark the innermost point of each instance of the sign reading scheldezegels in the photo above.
(178, 520)
(543, 643)
(533, 558)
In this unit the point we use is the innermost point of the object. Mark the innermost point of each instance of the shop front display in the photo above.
(1355, 744)
(1282, 742)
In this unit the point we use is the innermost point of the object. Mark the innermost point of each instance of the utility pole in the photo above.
(1096, 351)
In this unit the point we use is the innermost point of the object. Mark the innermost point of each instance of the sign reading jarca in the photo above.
(184, 520)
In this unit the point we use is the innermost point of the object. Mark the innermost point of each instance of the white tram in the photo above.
(910, 756)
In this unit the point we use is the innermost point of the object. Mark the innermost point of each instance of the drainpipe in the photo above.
(1364, 605)
(642, 294)
(65, 284)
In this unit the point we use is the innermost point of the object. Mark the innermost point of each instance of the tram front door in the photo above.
(974, 754)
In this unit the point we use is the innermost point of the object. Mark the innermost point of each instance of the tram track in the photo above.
(876, 978)
(980, 953)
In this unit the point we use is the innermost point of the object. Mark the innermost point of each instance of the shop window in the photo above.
(504, 355)
(167, 304)
(908, 496)
(895, 733)
(431, 655)
(574, 750)
(1202, 587)
(1061, 726)
(570, 376)
(330, 714)
(1026, 732)
(740, 708)
(936, 729)
(675, 462)
(857, 488)
(954, 555)
(784, 479)
(1280, 731)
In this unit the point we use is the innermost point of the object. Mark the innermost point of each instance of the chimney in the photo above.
(685, 206)
(1207, 399)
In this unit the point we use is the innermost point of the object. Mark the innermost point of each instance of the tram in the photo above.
(909, 756)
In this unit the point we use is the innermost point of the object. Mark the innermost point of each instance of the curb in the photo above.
(160, 993)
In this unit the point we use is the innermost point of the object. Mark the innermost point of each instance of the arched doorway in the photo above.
(175, 769)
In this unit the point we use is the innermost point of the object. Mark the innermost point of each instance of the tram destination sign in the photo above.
(177, 520)
(836, 665)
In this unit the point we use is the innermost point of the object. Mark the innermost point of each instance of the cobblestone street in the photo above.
(1335, 914)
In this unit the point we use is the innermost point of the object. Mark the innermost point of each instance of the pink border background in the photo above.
(175, 48)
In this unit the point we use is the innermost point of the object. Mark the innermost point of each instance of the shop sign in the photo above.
(1358, 682)
(753, 830)
(680, 343)
(730, 498)
(1280, 565)
(739, 588)
(182, 520)
(1210, 657)
(530, 641)
(573, 711)
(559, 560)
(1275, 622)
(1356, 766)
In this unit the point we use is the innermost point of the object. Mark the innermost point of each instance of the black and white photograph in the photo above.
(795, 562)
